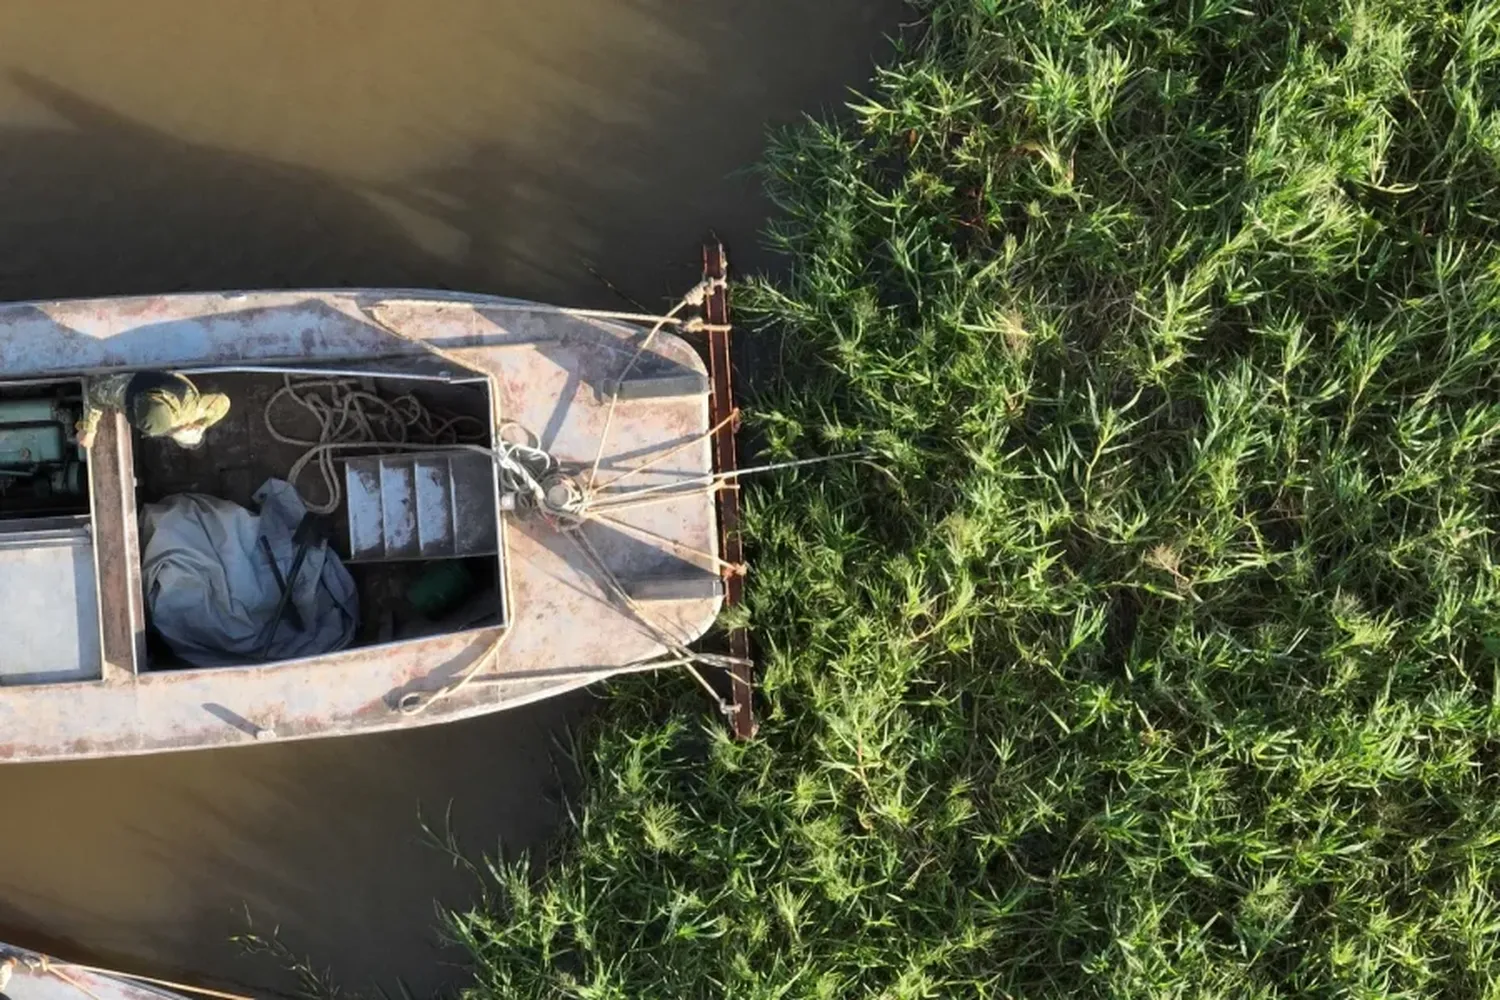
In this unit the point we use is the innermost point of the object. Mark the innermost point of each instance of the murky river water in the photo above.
(524, 147)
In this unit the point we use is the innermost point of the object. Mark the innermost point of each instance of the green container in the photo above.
(442, 586)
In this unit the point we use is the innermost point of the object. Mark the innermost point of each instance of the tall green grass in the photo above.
(1156, 654)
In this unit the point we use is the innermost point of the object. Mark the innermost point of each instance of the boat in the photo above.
(582, 518)
(31, 975)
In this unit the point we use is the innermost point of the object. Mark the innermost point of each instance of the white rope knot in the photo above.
(563, 497)
(522, 467)
(699, 293)
(535, 478)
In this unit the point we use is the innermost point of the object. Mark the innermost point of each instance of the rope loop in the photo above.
(350, 418)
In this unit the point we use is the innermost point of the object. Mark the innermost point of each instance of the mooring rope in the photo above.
(569, 507)
(417, 702)
(696, 296)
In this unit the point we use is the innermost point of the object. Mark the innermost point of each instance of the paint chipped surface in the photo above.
(362, 501)
(435, 502)
(424, 506)
(32, 976)
(398, 510)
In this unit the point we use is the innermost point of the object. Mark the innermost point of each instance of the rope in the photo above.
(663, 492)
(715, 563)
(47, 967)
(417, 702)
(169, 984)
(529, 472)
(734, 415)
(688, 657)
(350, 418)
(537, 307)
(696, 296)
(653, 628)
(524, 468)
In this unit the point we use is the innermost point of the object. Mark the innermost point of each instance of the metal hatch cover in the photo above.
(49, 606)
(438, 505)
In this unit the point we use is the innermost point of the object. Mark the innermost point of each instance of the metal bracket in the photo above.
(695, 587)
(661, 386)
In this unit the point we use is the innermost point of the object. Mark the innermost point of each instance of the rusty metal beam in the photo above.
(117, 563)
(726, 460)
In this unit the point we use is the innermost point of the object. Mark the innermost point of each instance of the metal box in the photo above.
(429, 506)
(49, 606)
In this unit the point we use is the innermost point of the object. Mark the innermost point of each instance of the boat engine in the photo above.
(39, 455)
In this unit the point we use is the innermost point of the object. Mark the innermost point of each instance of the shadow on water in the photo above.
(499, 146)
(137, 210)
(613, 155)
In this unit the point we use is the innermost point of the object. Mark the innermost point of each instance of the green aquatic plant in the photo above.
(1155, 654)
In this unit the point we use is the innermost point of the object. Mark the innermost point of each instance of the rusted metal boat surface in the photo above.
(604, 396)
(29, 975)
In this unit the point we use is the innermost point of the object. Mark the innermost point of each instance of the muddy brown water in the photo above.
(523, 147)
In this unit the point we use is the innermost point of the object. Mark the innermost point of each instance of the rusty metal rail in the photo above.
(726, 461)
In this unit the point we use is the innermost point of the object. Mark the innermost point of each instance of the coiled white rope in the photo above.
(350, 418)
